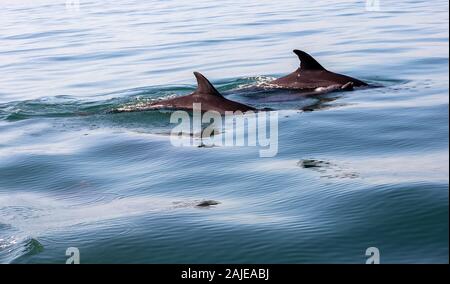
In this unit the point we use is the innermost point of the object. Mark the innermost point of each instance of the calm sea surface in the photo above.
(354, 170)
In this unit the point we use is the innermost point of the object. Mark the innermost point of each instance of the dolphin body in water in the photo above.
(205, 94)
(311, 77)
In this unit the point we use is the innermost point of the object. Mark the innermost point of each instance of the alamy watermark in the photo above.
(73, 5)
(74, 255)
(373, 254)
(233, 129)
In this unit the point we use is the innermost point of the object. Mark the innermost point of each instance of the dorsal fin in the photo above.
(205, 87)
(307, 62)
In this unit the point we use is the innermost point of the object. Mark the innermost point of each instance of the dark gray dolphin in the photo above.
(205, 94)
(311, 76)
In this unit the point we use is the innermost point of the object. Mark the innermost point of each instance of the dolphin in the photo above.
(205, 94)
(311, 76)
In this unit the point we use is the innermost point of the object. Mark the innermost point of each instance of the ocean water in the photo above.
(354, 170)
